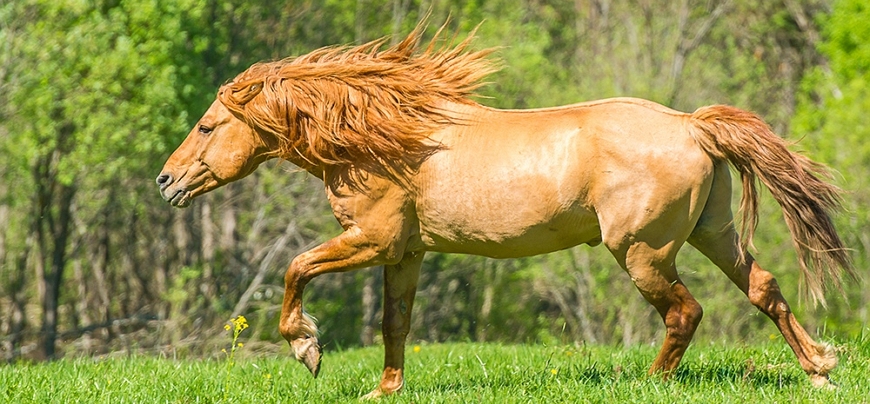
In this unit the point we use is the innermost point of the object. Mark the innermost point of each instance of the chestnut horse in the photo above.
(410, 164)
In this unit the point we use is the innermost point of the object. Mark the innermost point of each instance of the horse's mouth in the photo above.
(179, 199)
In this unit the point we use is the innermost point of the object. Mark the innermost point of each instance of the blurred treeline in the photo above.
(94, 96)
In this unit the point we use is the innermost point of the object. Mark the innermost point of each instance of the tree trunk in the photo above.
(82, 319)
(182, 236)
(100, 264)
(16, 291)
(263, 270)
(206, 284)
(491, 273)
(584, 285)
(685, 45)
(60, 236)
(228, 220)
(4, 218)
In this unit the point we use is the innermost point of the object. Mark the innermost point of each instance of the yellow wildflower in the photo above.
(239, 323)
(554, 371)
(417, 348)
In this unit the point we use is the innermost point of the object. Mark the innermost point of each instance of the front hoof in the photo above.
(308, 351)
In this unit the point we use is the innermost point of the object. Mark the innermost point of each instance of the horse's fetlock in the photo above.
(824, 359)
(287, 331)
(302, 327)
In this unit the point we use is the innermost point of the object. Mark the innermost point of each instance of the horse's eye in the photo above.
(205, 130)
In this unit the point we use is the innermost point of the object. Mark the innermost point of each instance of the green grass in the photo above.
(452, 373)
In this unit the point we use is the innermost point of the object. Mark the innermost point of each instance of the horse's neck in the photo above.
(304, 163)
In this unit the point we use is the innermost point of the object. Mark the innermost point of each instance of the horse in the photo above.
(411, 163)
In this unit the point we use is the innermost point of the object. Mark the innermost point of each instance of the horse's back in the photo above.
(517, 183)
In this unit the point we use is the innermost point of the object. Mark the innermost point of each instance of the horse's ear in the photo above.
(240, 93)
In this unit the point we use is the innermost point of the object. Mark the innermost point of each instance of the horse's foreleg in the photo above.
(348, 251)
(400, 286)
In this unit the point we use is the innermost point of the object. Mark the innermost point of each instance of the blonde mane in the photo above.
(342, 105)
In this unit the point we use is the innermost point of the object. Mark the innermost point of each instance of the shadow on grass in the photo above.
(604, 376)
(774, 376)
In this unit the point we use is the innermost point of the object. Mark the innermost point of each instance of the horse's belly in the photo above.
(508, 196)
(514, 231)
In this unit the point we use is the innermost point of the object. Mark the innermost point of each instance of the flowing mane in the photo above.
(341, 105)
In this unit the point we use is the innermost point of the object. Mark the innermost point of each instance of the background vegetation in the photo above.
(94, 95)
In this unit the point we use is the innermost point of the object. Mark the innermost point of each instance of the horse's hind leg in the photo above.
(644, 228)
(715, 237)
(654, 273)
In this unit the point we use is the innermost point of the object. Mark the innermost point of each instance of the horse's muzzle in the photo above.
(178, 197)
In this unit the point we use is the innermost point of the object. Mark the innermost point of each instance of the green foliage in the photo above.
(107, 74)
(95, 95)
(832, 119)
(835, 99)
(483, 373)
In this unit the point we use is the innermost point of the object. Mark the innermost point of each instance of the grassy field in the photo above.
(450, 373)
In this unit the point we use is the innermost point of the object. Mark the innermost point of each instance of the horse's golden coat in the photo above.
(411, 165)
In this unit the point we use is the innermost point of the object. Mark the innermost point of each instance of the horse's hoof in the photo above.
(822, 382)
(309, 352)
(374, 395)
(378, 393)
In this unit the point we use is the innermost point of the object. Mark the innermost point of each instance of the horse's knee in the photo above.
(295, 274)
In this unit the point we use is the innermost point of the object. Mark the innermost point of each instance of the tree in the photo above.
(82, 119)
(832, 120)
(95, 95)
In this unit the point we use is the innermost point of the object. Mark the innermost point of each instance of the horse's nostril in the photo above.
(164, 180)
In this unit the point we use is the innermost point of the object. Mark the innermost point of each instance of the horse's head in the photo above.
(220, 149)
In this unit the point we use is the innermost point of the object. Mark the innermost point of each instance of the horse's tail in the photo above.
(744, 140)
